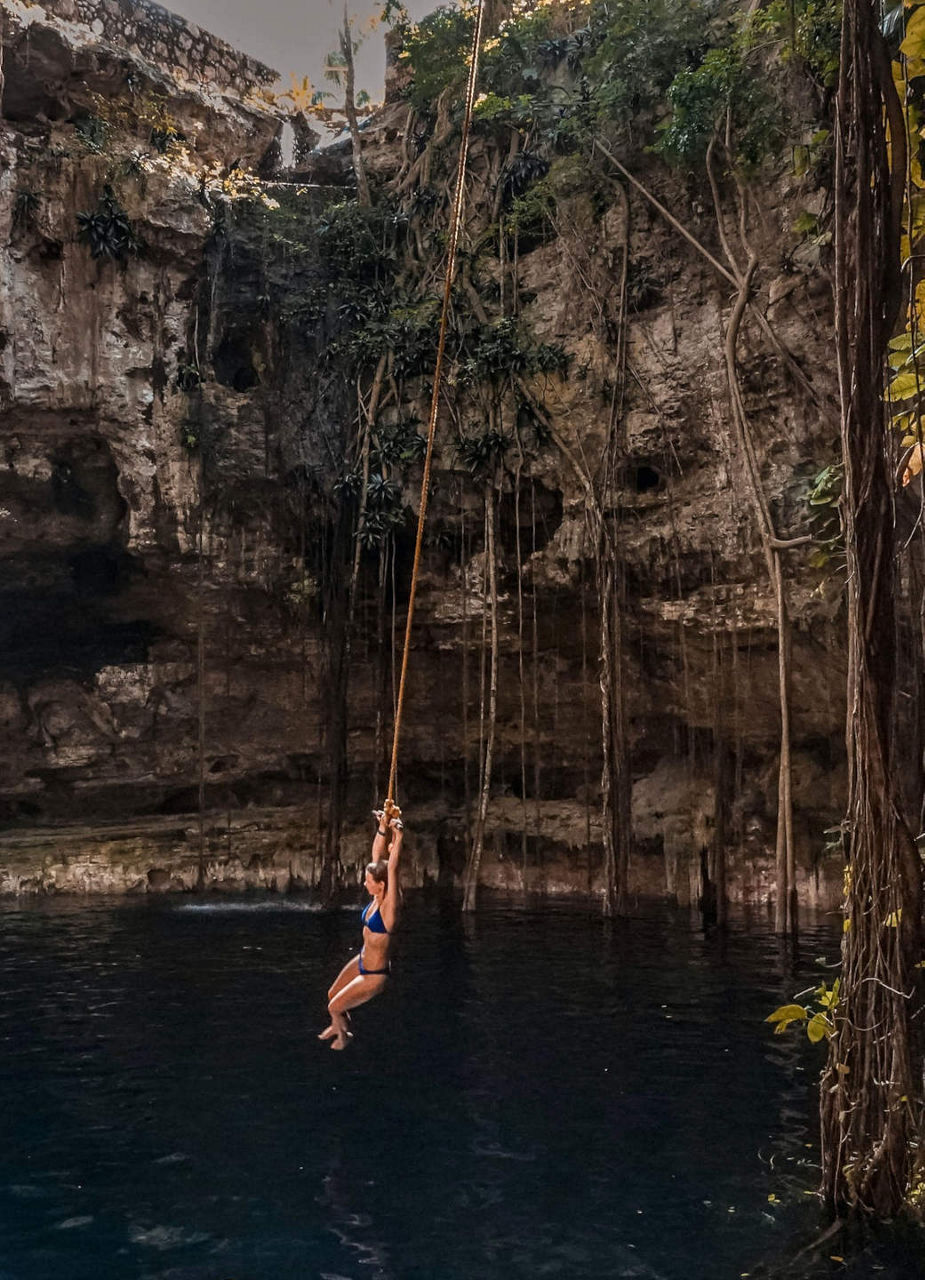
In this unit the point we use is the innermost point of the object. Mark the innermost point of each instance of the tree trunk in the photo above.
(871, 1090)
(471, 879)
(615, 781)
(336, 686)
(201, 689)
(350, 110)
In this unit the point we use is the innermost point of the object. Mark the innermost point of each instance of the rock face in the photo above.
(163, 654)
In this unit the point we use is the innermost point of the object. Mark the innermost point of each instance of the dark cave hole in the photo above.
(233, 364)
(63, 626)
(222, 763)
(70, 496)
(58, 635)
(646, 479)
(101, 570)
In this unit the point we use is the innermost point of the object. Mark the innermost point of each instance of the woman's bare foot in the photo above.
(330, 1030)
(341, 1040)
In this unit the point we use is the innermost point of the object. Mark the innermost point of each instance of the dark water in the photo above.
(534, 1095)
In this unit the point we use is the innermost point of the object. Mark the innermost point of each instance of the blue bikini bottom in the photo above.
(371, 972)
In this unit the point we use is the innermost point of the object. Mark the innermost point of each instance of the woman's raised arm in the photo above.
(393, 892)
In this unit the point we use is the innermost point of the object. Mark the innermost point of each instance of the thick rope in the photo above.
(455, 225)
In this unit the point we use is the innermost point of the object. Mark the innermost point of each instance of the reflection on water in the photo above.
(250, 905)
(536, 1094)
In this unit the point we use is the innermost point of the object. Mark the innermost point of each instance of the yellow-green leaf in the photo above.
(906, 385)
(818, 1028)
(806, 223)
(914, 44)
(787, 1013)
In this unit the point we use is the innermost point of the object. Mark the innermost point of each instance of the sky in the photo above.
(295, 36)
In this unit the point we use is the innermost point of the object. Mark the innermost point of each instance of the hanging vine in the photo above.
(872, 1102)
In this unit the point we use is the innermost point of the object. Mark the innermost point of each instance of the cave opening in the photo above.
(646, 479)
(233, 363)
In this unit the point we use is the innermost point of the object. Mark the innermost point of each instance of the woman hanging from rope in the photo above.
(364, 976)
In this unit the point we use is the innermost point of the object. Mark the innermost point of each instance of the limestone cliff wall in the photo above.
(155, 646)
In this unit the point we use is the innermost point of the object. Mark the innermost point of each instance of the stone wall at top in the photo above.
(146, 30)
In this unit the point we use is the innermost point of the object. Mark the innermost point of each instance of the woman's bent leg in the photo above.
(350, 971)
(357, 992)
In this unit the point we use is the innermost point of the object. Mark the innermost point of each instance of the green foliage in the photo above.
(435, 49)
(497, 351)
(724, 85)
(302, 594)
(806, 224)
(530, 215)
(824, 497)
(810, 32)
(638, 49)
(494, 107)
(357, 242)
(188, 377)
(559, 84)
(349, 485)
(520, 172)
(92, 131)
(810, 155)
(819, 1022)
(189, 436)
(394, 14)
(25, 207)
(905, 360)
(163, 139)
(549, 357)
(330, 271)
(511, 63)
(398, 445)
(382, 494)
(482, 453)
(164, 132)
(107, 229)
(385, 510)
(409, 334)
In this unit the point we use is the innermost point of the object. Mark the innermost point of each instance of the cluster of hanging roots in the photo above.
(871, 1101)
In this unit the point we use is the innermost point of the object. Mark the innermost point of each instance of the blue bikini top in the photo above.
(373, 919)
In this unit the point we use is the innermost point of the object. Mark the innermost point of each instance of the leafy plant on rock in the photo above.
(92, 131)
(107, 229)
(723, 88)
(482, 453)
(25, 207)
(824, 498)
